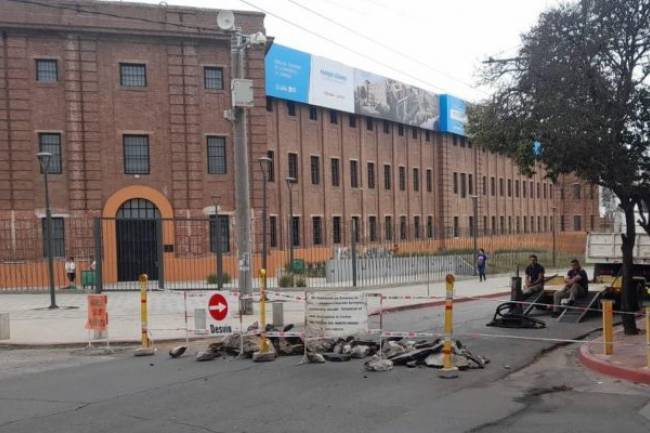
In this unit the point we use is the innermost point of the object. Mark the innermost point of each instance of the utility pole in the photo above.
(217, 241)
(290, 182)
(265, 165)
(553, 230)
(44, 158)
(475, 229)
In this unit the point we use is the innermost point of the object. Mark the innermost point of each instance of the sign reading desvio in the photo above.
(301, 77)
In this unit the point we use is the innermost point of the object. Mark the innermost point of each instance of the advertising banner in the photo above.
(389, 99)
(453, 116)
(331, 84)
(336, 314)
(287, 73)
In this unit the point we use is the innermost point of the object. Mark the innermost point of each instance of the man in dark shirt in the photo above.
(534, 276)
(577, 285)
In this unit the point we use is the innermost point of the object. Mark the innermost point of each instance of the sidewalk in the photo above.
(629, 360)
(33, 324)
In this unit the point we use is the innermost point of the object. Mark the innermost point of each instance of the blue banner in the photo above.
(287, 73)
(453, 116)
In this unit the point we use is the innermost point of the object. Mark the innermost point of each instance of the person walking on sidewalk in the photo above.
(71, 272)
(576, 286)
(481, 262)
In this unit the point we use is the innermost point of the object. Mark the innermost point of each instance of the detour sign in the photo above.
(97, 313)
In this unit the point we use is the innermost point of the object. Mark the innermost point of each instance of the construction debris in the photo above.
(177, 352)
(375, 363)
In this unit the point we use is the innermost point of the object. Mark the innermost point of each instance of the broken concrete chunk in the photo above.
(207, 356)
(359, 352)
(336, 357)
(378, 364)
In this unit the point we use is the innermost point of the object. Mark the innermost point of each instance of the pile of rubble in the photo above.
(394, 351)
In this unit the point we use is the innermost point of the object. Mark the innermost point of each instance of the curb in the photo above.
(74, 345)
(633, 375)
(437, 303)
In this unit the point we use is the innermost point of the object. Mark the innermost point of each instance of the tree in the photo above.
(579, 86)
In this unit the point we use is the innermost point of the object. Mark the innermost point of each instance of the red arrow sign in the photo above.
(218, 307)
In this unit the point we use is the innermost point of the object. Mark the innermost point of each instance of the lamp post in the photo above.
(553, 232)
(217, 241)
(475, 229)
(265, 163)
(44, 159)
(290, 182)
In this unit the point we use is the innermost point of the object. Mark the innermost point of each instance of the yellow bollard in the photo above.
(265, 341)
(448, 370)
(647, 332)
(145, 347)
(608, 326)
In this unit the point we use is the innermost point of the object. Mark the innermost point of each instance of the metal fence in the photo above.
(183, 254)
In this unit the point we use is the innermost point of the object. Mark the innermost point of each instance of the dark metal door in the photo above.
(136, 230)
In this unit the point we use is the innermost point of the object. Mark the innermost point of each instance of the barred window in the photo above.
(336, 179)
(48, 142)
(354, 174)
(58, 237)
(430, 227)
(336, 229)
(293, 166)
(372, 228)
(387, 177)
(313, 113)
(271, 167)
(133, 75)
(402, 178)
(217, 155)
(295, 231)
(317, 230)
(273, 232)
(213, 77)
(352, 121)
(386, 127)
(334, 117)
(291, 108)
(47, 70)
(136, 154)
(429, 180)
(416, 179)
(416, 227)
(402, 228)
(371, 175)
(315, 170)
(224, 233)
(388, 227)
(356, 229)
(369, 124)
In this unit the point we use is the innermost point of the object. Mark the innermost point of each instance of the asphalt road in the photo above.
(520, 391)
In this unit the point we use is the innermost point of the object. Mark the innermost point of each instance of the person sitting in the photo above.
(576, 286)
(534, 276)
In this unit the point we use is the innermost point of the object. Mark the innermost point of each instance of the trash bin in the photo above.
(88, 279)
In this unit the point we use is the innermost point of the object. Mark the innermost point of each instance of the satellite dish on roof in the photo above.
(226, 20)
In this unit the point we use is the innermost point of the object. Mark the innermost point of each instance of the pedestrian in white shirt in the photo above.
(71, 271)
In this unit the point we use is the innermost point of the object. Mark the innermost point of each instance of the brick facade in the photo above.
(92, 112)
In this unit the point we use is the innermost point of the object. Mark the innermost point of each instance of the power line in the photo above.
(340, 45)
(385, 46)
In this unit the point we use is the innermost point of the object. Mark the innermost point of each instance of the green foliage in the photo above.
(300, 281)
(212, 278)
(286, 280)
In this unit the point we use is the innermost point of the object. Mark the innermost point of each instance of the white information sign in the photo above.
(331, 84)
(336, 314)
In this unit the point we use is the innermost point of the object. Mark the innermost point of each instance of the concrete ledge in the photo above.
(591, 361)
(407, 307)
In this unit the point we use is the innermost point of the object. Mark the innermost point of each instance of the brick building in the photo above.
(130, 99)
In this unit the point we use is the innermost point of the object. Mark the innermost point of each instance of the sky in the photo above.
(433, 44)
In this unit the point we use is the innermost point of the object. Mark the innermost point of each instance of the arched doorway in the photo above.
(137, 227)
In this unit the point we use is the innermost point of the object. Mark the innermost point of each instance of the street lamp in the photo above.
(44, 159)
(475, 229)
(265, 165)
(290, 182)
(217, 241)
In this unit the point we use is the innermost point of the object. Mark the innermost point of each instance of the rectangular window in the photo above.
(510, 224)
(224, 233)
(517, 188)
(369, 124)
(133, 75)
(402, 178)
(509, 187)
(577, 223)
(217, 155)
(317, 230)
(430, 227)
(577, 193)
(295, 231)
(291, 108)
(539, 223)
(501, 188)
(494, 225)
(545, 188)
(545, 223)
(354, 174)
(456, 228)
(313, 113)
(388, 228)
(400, 130)
(136, 154)
(523, 188)
(336, 229)
(470, 184)
(427, 136)
(372, 228)
(356, 229)
(387, 177)
(532, 190)
(518, 224)
(455, 183)
(463, 186)
(269, 104)
(416, 227)
(402, 228)
(484, 185)
(213, 77)
(386, 127)
(493, 186)
(49, 142)
(371, 175)
(562, 225)
(414, 133)
(273, 231)
(429, 180)
(57, 229)
(532, 224)
(502, 220)
(271, 166)
(525, 224)
(47, 70)
(352, 119)
(539, 190)
(293, 166)
(315, 170)
(416, 179)
(336, 178)
(334, 118)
